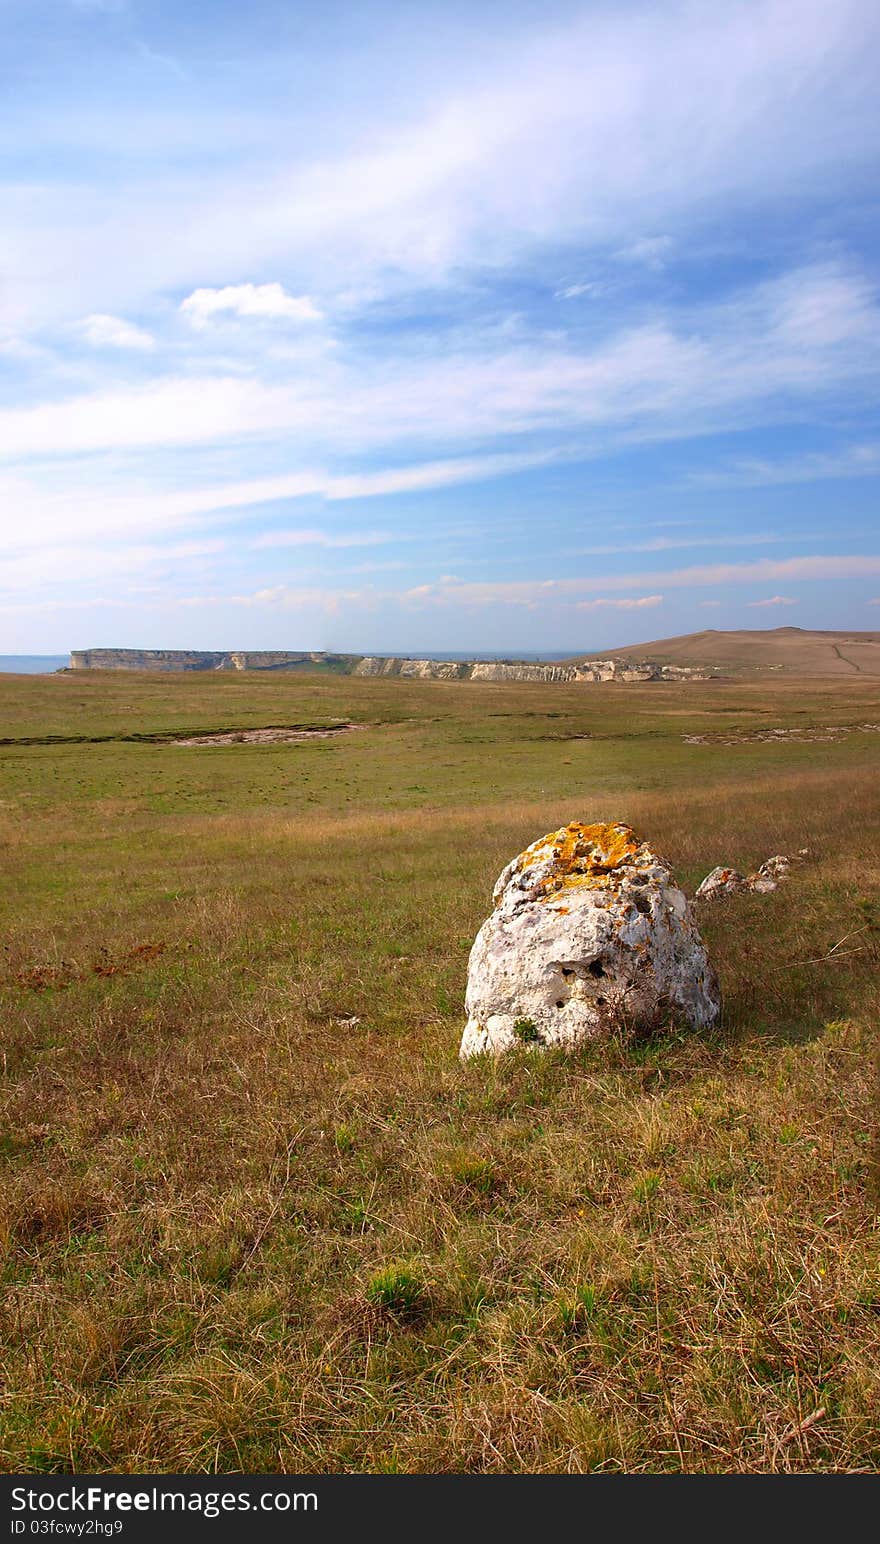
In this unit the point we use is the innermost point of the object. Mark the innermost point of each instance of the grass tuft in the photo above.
(397, 1289)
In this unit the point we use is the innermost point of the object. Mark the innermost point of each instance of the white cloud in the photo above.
(102, 331)
(574, 291)
(714, 367)
(21, 348)
(556, 599)
(43, 515)
(316, 538)
(573, 594)
(260, 302)
(433, 474)
(617, 121)
(572, 587)
(671, 544)
(168, 411)
(289, 597)
(774, 600)
(626, 603)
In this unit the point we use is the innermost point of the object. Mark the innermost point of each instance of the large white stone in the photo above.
(589, 934)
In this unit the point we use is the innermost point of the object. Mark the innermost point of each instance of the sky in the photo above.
(449, 325)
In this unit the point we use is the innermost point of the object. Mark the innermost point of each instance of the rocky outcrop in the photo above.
(630, 670)
(589, 934)
(728, 881)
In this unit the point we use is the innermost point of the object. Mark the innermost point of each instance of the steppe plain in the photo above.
(255, 1214)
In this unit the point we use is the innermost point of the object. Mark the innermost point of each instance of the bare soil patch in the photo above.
(275, 736)
(804, 735)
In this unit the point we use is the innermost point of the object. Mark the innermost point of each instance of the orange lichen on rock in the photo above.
(581, 855)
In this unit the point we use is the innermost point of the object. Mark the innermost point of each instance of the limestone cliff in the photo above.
(202, 659)
(422, 669)
(491, 670)
(147, 659)
(623, 670)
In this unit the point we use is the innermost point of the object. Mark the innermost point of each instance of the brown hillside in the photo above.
(787, 650)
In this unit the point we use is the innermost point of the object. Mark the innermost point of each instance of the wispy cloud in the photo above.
(572, 587)
(776, 344)
(101, 331)
(317, 538)
(329, 602)
(575, 593)
(813, 466)
(625, 603)
(774, 600)
(434, 474)
(575, 291)
(257, 302)
(163, 60)
(672, 544)
(560, 130)
(42, 515)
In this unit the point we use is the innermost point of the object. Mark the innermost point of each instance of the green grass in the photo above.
(256, 1215)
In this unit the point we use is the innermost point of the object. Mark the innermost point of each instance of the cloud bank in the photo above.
(500, 307)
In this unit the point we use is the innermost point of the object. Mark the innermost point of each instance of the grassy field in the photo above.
(256, 1216)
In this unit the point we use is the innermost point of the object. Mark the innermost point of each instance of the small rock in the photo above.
(728, 881)
(721, 881)
(777, 867)
(589, 933)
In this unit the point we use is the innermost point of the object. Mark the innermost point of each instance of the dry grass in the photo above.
(255, 1214)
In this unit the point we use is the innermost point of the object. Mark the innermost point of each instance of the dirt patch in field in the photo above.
(48, 978)
(816, 734)
(273, 732)
(275, 736)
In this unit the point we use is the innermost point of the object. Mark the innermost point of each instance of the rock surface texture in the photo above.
(589, 934)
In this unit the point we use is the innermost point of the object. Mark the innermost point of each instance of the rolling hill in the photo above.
(791, 651)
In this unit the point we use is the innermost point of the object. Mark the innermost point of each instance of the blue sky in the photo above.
(388, 327)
